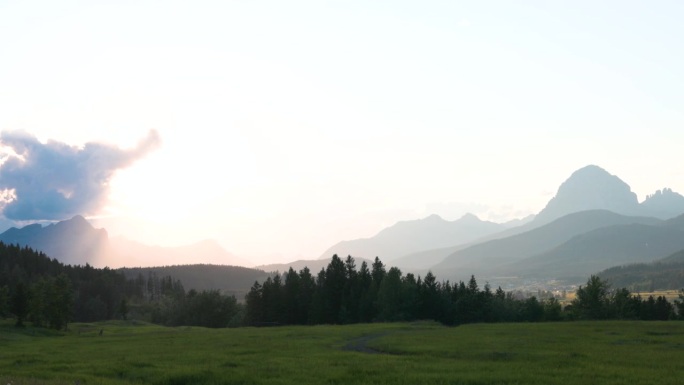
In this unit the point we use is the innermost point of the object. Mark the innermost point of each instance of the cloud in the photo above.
(54, 181)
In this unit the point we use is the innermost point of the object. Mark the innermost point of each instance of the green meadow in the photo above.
(613, 352)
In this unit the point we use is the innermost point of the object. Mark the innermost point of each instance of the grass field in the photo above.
(417, 353)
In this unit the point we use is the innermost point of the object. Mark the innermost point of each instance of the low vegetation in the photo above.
(128, 352)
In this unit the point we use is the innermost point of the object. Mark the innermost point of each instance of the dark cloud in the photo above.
(55, 181)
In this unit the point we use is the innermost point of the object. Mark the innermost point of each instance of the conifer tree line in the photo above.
(343, 293)
(46, 293)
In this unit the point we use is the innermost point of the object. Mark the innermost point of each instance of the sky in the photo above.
(280, 128)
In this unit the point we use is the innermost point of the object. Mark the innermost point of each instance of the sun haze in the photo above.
(280, 128)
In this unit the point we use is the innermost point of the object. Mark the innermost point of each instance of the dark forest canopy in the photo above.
(45, 292)
(343, 293)
(36, 288)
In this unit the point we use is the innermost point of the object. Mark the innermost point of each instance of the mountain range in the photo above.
(408, 237)
(77, 242)
(593, 222)
(487, 259)
(589, 200)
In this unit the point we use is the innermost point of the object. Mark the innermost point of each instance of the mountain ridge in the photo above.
(406, 237)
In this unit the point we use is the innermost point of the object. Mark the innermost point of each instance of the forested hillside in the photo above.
(232, 280)
(46, 292)
(664, 274)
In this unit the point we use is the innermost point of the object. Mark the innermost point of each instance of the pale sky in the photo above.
(287, 126)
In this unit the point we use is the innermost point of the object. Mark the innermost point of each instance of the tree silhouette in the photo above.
(20, 304)
(591, 301)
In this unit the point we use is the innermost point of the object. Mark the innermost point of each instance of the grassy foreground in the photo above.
(417, 353)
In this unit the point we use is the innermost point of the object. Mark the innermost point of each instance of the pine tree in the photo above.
(591, 301)
(389, 296)
(255, 304)
(20, 304)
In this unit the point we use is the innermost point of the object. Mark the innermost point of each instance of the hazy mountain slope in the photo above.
(426, 259)
(599, 249)
(590, 188)
(73, 241)
(677, 257)
(518, 222)
(408, 237)
(485, 259)
(229, 279)
(677, 222)
(314, 265)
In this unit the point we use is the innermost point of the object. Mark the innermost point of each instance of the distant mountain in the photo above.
(314, 265)
(73, 241)
(663, 204)
(421, 261)
(590, 188)
(234, 280)
(600, 249)
(518, 222)
(77, 242)
(486, 259)
(408, 237)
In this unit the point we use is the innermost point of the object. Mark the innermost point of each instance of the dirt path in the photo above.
(361, 344)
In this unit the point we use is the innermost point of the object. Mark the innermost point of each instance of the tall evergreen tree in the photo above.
(366, 297)
(390, 296)
(333, 290)
(4, 301)
(430, 297)
(591, 301)
(291, 297)
(307, 289)
(20, 303)
(255, 305)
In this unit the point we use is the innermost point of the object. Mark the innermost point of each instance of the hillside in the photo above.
(228, 279)
(599, 249)
(485, 259)
(664, 274)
